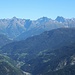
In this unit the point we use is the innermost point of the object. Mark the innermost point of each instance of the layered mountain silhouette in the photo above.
(38, 47)
(20, 29)
(50, 53)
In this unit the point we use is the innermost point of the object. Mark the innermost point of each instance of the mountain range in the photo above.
(20, 29)
(37, 47)
(50, 53)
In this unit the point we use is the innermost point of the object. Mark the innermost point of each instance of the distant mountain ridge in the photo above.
(20, 29)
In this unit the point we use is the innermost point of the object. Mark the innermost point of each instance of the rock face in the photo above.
(20, 29)
(60, 19)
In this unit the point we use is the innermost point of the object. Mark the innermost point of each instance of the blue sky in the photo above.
(34, 9)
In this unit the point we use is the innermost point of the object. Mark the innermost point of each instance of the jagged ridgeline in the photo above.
(20, 29)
